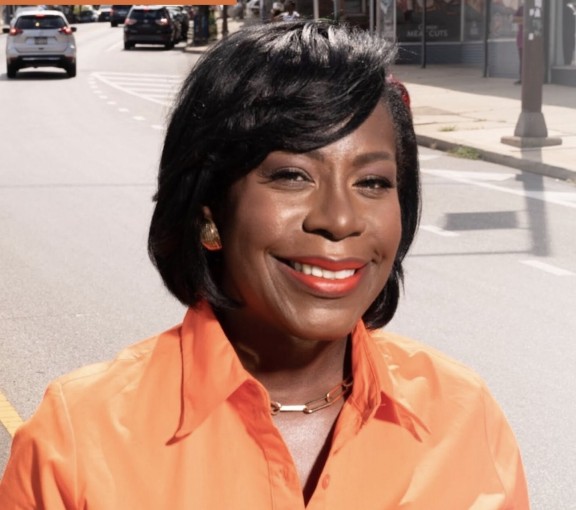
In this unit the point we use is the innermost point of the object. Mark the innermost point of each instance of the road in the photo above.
(491, 280)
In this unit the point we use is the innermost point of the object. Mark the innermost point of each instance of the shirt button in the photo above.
(325, 481)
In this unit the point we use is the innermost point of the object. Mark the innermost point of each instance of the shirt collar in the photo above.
(204, 346)
(211, 370)
(377, 391)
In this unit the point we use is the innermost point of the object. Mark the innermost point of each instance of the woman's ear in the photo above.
(207, 213)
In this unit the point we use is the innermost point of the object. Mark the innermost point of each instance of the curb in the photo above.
(501, 159)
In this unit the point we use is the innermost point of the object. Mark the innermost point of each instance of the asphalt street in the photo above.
(490, 281)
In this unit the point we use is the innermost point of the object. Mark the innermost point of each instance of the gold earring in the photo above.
(209, 236)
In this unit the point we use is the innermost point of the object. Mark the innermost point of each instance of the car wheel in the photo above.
(71, 70)
(113, 23)
(169, 45)
(128, 46)
(11, 70)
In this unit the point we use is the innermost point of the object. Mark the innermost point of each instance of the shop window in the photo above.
(352, 7)
(443, 20)
(502, 24)
(474, 20)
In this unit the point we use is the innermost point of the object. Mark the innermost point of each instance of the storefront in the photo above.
(478, 33)
(562, 43)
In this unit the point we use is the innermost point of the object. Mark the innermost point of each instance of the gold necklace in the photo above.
(339, 391)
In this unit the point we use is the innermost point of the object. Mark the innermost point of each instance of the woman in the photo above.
(288, 197)
(290, 14)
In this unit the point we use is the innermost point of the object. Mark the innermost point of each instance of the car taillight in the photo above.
(65, 30)
(162, 22)
(130, 21)
(15, 31)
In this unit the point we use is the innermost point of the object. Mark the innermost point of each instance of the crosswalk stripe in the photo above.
(159, 88)
(439, 231)
(549, 268)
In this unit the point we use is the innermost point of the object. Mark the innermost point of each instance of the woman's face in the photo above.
(309, 239)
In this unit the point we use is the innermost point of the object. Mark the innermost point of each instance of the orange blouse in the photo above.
(176, 423)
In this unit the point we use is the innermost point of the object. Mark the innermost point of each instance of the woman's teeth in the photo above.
(322, 273)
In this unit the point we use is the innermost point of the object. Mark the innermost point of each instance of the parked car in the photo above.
(87, 16)
(182, 18)
(104, 12)
(150, 24)
(40, 38)
(118, 14)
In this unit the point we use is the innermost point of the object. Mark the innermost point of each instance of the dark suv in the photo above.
(150, 24)
(118, 14)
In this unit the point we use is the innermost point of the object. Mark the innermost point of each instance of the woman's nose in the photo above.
(334, 214)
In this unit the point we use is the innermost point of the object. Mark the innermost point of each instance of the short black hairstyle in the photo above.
(296, 87)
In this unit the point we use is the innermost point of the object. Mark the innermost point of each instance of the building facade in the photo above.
(480, 33)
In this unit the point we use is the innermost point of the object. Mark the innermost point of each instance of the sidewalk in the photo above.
(454, 107)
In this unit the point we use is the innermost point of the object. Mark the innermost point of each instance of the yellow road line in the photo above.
(9, 417)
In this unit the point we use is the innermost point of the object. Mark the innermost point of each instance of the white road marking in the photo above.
(567, 199)
(157, 91)
(115, 46)
(439, 231)
(156, 88)
(428, 157)
(560, 195)
(549, 268)
(138, 76)
(473, 176)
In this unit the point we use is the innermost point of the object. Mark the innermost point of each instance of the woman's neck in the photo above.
(289, 367)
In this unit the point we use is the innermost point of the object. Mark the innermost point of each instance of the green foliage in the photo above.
(464, 152)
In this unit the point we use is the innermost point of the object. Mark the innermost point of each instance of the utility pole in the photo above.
(487, 11)
(531, 128)
(423, 25)
(224, 20)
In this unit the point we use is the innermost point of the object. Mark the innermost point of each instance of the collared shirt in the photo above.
(176, 423)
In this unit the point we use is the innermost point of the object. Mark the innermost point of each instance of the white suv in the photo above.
(40, 38)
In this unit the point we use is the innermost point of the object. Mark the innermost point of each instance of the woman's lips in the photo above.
(326, 278)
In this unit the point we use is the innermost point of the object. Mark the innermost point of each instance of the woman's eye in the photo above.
(289, 174)
(375, 183)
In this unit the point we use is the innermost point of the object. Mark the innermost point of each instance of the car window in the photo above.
(39, 22)
(141, 15)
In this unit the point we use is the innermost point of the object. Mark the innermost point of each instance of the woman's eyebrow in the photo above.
(361, 159)
(369, 157)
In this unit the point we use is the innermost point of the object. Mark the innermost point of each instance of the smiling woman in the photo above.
(288, 196)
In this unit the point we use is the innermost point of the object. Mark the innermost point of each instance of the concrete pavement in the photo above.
(455, 109)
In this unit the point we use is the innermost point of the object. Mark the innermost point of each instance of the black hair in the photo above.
(296, 87)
